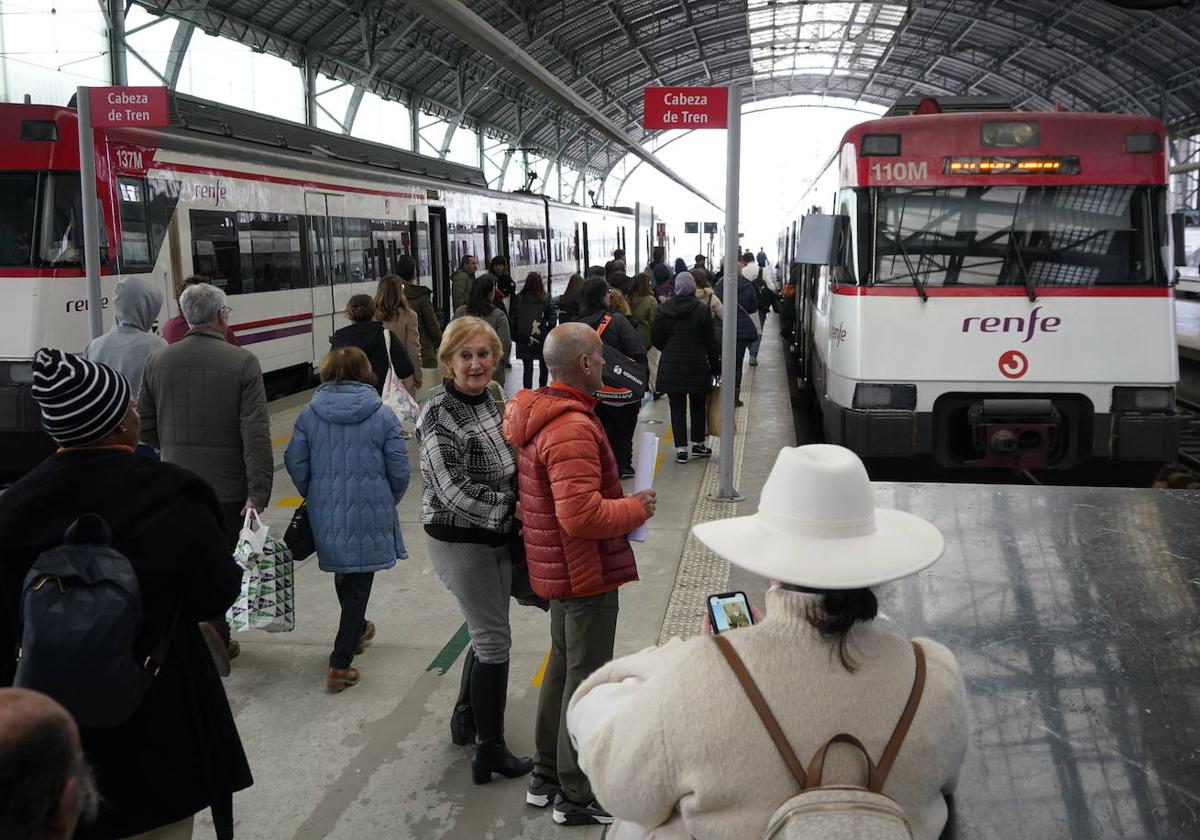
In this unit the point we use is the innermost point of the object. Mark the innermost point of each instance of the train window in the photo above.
(136, 247)
(163, 197)
(358, 251)
(61, 216)
(215, 249)
(18, 217)
(270, 252)
(1084, 235)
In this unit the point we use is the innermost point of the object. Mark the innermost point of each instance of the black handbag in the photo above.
(521, 589)
(625, 380)
(299, 535)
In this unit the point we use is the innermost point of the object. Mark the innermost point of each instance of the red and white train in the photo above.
(992, 289)
(289, 220)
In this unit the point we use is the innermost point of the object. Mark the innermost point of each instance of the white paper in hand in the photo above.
(645, 456)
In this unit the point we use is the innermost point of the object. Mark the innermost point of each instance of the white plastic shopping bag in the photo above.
(267, 600)
(395, 395)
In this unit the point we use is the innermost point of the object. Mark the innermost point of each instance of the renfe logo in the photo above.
(1013, 364)
(1014, 323)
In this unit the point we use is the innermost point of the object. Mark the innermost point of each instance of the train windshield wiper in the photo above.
(912, 272)
(1024, 271)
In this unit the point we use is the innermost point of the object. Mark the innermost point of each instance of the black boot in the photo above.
(489, 695)
(462, 720)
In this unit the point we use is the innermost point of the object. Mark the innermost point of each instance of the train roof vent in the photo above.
(908, 105)
(189, 113)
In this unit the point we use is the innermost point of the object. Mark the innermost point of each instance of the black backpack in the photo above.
(81, 614)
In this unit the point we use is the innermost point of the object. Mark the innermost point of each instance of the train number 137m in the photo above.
(900, 170)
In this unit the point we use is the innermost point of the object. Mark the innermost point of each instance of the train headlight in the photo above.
(902, 397)
(16, 373)
(1160, 400)
(1009, 134)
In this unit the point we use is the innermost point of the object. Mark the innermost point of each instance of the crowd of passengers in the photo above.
(167, 439)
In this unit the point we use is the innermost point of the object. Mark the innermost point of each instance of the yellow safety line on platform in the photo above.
(289, 502)
(280, 441)
(541, 672)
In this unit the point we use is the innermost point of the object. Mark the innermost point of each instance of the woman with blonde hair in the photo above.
(350, 463)
(391, 308)
(468, 508)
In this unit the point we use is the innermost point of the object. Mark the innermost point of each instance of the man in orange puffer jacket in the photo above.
(575, 518)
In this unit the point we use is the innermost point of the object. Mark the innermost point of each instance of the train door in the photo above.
(502, 246)
(319, 265)
(587, 257)
(439, 262)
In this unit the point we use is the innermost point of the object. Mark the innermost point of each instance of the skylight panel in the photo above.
(814, 37)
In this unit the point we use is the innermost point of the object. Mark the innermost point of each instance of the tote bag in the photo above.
(395, 395)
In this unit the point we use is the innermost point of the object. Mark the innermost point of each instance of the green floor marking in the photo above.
(445, 658)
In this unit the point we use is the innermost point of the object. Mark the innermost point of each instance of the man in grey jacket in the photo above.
(125, 347)
(204, 406)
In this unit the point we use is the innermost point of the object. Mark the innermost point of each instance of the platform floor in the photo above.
(1074, 613)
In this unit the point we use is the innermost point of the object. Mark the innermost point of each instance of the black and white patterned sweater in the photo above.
(469, 470)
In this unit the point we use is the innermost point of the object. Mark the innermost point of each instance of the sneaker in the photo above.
(626, 472)
(680, 456)
(365, 638)
(542, 791)
(754, 361)
(700, 450)
(567, 812)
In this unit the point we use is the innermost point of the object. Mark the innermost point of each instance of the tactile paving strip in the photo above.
(701, 572)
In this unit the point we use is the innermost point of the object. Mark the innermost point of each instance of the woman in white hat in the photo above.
(669, 738)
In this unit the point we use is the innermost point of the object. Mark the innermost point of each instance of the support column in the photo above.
(115, 11)
(310, 92)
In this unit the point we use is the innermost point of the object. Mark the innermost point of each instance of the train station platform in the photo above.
(1073, 612)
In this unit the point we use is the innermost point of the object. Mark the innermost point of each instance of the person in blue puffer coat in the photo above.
(349, 461)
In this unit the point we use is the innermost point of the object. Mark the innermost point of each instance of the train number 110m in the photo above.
(900, 170)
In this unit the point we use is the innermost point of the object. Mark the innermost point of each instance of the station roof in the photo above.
(1087, 55)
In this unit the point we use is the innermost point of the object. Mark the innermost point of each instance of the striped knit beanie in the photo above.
(81, 401)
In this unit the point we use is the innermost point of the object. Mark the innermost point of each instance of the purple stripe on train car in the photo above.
(254, 338)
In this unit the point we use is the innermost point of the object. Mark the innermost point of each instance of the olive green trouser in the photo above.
(582, 631)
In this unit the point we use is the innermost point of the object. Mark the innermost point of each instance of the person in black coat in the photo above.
(691, 357)
(533, 318)
(619, 421)
(366, 334)
(180, 752)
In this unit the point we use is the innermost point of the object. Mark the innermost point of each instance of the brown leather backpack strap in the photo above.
(817, 766)
(901, 732)
(764, 711)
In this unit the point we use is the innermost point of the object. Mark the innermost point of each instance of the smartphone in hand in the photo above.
(728, 611)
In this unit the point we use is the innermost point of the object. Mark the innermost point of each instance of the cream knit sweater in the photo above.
(668, 738)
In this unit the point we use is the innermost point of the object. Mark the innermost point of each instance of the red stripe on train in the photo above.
(283, 319)
(277, 179)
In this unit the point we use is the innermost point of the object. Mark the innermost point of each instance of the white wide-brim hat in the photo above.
(817, 526)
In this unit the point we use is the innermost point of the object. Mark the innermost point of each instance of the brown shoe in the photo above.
(367, 636)
(339, 679)
(234, 649)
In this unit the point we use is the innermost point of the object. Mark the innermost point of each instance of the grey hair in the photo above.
(201, 304)
(565, 344)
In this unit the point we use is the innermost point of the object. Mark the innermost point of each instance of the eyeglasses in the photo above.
(227, 310)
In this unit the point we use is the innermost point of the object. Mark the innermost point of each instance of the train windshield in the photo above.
(1088, 235)
(41, 220)
(18, 217)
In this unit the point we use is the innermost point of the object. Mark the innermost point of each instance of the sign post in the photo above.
(729, 360)
(666, 108)
(107, 107)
